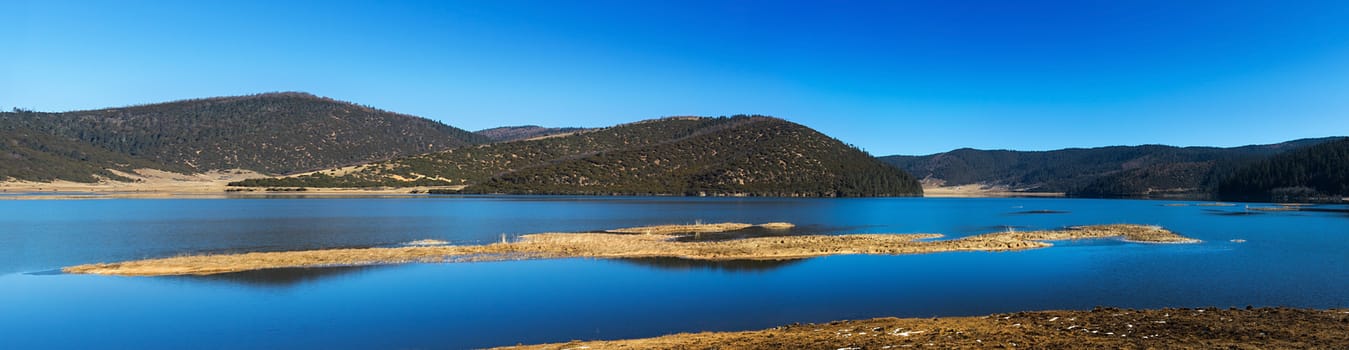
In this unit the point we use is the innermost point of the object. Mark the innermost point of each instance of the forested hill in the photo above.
(742, 155)
(275, 132)
(1314, 172)
(512, 133)
(1105, 171)
(31, 155)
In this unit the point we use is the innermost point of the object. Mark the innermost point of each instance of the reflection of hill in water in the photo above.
(284, 277)
(1230, 212)
(289, 277)
(1327, 209)
(1288, 209)
(725, 265)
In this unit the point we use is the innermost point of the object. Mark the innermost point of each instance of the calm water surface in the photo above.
(1289, 258)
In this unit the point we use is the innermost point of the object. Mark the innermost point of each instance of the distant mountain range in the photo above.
(323, 142)
(1150, 170)
(742, 155)
(272, 133)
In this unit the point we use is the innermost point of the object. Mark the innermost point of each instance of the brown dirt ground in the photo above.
(1108, 328)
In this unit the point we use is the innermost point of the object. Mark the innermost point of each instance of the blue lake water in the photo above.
(1288, 258)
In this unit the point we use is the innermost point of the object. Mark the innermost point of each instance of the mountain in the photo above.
(512, 133)
(741, 155)
(273, 133)
(1313, 172)
(40, 156)
(1104, 171)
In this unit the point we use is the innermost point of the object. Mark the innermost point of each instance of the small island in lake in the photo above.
(665, 241)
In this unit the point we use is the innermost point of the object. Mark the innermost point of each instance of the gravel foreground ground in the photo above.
(1100, 328)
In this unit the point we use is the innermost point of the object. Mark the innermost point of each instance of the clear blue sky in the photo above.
(894, 77)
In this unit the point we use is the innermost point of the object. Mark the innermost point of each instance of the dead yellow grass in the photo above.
(661, 243)
(682, 229)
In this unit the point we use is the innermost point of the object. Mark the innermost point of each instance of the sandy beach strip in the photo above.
(630, 245)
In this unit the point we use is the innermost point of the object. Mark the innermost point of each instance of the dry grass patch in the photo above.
(682, 229)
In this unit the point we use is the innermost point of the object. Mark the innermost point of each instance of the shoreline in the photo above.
(665, 241)
(84, 193)
(980, 191)
(151, 183)
(1102, 327)
(155, 184)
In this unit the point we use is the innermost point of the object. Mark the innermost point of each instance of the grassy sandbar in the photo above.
(648, 242)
